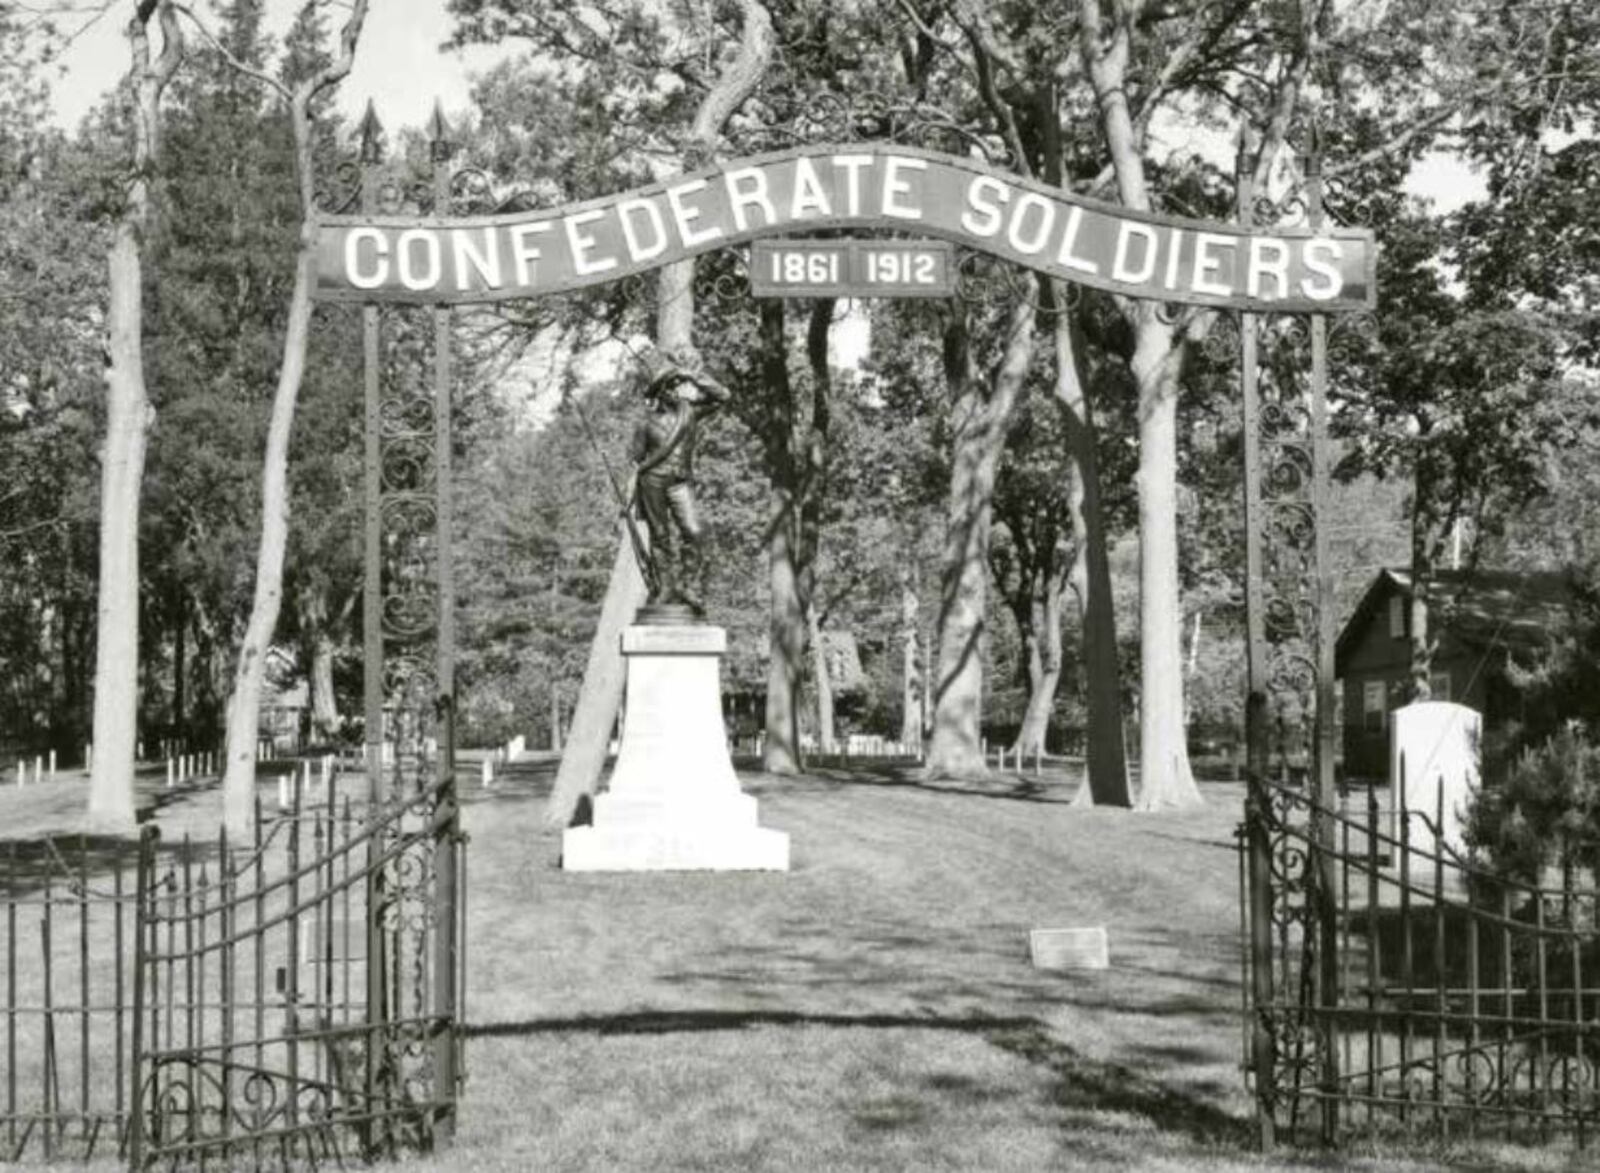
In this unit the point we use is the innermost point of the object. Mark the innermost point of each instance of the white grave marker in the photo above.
(1433, 757)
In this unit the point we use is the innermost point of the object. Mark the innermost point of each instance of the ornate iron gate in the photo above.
(295, 1001)
(1391, 984)
(1460, 1002)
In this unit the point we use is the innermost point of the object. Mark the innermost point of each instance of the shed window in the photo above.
(1374, 704)
(1397, 617)
(1439, 685)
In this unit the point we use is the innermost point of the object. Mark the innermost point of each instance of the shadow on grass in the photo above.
(1082, 1085)
(654, 1022)
(1053, 790)
(1077, 1084)
(66, 863)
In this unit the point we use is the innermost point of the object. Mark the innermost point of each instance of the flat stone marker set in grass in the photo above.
(1070, 948)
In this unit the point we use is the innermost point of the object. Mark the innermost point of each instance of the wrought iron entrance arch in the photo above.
(1276, 288)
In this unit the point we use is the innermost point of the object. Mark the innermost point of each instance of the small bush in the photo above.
(1544, 812)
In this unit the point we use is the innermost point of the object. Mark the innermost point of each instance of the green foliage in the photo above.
(1544, 812)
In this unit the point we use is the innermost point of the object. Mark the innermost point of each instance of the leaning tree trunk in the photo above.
(128, 415)
(244, 704)
(600, 699)
(1106, 758)
(600, 695)
(956, 748)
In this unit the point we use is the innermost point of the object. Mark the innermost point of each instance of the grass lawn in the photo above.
(873, 1009)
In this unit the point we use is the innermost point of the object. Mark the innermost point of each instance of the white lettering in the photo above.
(409, 277)
(484, 259)
(1277, 267)
(582, 242)
(853, 165)
(1119, 264)
(1326, 268)
(1174, 251)
(523, 254)
(982, 218)
(808, 192)
(1019, 216)
(1069, 238)
(756, 195)
(637, 251)
(1206, 263)
(894, 185)
(352, 254)
(682, 216)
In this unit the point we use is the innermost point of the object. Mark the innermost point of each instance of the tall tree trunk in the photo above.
(819, 671)
(180, 724)
(980, 433)
(911, 692)
(594, 713)
(787, 642)
(1164, 775)
(244, 704)
(1420, 669)
(786, 628)
(1044, 668)
(128, 416)
(1165, 779)
(1090, 577)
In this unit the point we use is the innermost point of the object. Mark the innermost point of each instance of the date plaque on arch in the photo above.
(852, 268)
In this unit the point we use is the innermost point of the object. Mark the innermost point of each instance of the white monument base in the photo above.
(674, 803)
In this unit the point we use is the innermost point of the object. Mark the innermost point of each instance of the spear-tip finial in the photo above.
(1313, 161)
(1246, 147)
(371, 131)
(439, 133)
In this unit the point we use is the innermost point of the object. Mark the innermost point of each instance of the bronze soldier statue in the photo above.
(677, 397)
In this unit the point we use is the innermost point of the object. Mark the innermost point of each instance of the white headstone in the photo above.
(1433, 763)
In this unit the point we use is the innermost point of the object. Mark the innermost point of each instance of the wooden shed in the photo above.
(1480, 619)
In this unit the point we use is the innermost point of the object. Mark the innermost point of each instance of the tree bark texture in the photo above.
(1165, 779)
(911, 691)
(1044, 665)
(1164, 775)
(600, 694)
(595, 714)
(979, 421)
(128, 418)
(824, 685)
(244, 703)
(1090, 577)
(786, 627)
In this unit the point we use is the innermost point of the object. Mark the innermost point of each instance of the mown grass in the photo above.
(873, 1009)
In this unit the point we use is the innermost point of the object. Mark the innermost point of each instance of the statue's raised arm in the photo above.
(677, 397)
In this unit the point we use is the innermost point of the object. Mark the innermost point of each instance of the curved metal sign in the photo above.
(869, 186)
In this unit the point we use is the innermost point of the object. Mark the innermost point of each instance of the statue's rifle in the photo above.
(641, 552)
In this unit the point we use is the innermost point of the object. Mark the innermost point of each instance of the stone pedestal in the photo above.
(674, 803)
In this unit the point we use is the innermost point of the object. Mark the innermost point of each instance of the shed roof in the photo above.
(1481, 608)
